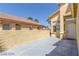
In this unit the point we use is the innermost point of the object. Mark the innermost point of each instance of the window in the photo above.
(58, 26)
(54, 28)
(18, 27)
(6, 27)
(54, 21)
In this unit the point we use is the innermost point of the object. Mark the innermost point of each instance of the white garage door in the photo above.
(71, 33)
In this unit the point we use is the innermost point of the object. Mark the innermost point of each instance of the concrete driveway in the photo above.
(46, 47)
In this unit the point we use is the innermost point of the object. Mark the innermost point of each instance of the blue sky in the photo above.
(39, 11)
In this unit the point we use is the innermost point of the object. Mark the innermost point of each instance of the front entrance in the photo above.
(70, 29)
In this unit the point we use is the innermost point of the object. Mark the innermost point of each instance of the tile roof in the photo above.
(18, 19)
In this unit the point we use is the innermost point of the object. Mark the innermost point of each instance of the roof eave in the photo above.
(55, 13)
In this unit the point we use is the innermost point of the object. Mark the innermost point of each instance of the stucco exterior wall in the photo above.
(53, 22)
(54, 19)
(23, 26)
(0, 26)
(61, 15)
(13, 26)
(11, 39)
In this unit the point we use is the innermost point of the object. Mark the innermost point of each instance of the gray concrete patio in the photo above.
(64, 47)
(46, 47)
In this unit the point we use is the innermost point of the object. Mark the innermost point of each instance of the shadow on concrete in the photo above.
(65, 47)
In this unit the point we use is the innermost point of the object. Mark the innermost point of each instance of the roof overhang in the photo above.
(68, 15)
(61, 4)
(74, 7)
(54, 14)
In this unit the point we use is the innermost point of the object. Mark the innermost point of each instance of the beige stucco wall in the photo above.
(11, 39)
(63, 10)
(13, 26)
(0, 26)
(55, 18)
(53, 22)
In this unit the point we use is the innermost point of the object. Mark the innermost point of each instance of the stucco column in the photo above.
(13, 26)
(61, 26)
(0, 26)
(63, 10)
(52, 27)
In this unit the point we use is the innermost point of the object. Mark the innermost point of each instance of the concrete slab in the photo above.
(37, 48)
(64, 48)
(46, 47)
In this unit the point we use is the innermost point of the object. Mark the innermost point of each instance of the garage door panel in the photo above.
(71, 33)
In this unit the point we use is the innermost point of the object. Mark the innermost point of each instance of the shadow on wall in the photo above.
(2, 47)
(64, 48)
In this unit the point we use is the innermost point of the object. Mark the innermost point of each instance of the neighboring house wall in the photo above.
(9, 22)
(9, 25)
(0, 26)
(13, 26)
(25, 27)
(6, 26)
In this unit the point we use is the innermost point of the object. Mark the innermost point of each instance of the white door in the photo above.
(71, 33)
